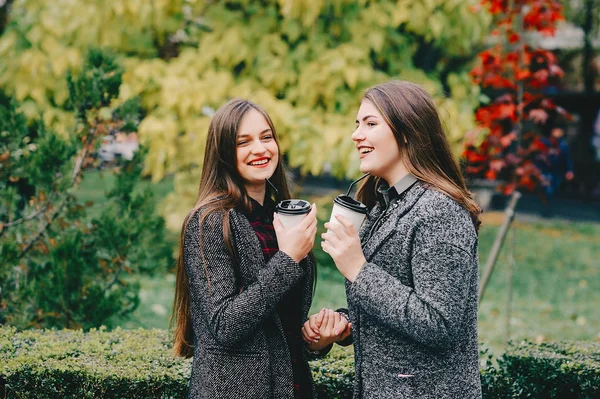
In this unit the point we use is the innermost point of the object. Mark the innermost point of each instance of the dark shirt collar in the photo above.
(264, 211)
(386, 195)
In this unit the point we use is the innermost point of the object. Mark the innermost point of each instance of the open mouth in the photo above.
(260, 162)
(365, 150)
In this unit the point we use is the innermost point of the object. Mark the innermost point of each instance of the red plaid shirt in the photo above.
(261, 219)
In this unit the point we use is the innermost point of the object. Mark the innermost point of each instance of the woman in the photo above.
(411, 275)
(244, 282)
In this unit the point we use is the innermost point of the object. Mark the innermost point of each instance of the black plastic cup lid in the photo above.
(350, 203)
(293, 207)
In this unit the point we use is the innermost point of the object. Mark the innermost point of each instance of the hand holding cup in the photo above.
(297, 241)
(342, 243)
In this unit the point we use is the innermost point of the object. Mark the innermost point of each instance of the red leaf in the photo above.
(490, 174)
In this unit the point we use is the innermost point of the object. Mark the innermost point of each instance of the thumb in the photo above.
(346, 332)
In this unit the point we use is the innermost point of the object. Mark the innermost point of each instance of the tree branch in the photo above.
(76, 172)
(28, 218)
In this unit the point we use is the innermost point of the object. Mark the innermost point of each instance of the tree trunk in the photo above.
(489, 266)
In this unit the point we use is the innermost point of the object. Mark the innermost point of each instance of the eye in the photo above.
(267, 137)
(242, 142)
(371, 124)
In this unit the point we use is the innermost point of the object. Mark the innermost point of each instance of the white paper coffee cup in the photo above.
(292, 211)
(349, 208)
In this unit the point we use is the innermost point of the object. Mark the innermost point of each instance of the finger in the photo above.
(329, 236)
(309, 218)
(313, 228)
(346, 332)
(331, 239)
(313, 225)
(325, 247)
(313, 236)
(309, 328)
(320, 317)
(340, 325)
(309, 334)
(307, 338)
(314, 323)
(348, 225)
(314, 222)
(277, 225)
(329, 249)
(323, 327)
(330, 320)
(337, 229)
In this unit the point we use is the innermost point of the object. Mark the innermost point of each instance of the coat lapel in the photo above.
(389, 221)
(252, 259)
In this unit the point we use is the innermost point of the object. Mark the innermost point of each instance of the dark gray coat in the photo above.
(240, 348)
(414, 303)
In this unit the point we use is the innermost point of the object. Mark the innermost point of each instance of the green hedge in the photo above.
(124, 364)
(119, 364)
(569, 370)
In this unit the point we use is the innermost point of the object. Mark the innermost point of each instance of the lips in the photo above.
(364, 151)
(260, 162)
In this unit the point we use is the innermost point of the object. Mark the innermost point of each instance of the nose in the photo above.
(258, 148)
(358, 135)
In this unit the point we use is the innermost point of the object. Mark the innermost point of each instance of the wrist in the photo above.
(355, 270)
(295, 257)
(316, 347)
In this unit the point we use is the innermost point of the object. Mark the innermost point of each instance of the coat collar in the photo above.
(382, 222)
(387, 195)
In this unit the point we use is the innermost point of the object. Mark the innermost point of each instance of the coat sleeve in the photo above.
(432, 311)
(231, 315)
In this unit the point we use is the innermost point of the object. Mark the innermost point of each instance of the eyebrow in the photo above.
(248, 135)
(366, 117)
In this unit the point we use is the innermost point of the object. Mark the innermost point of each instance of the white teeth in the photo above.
(365, 150)
(264, 161)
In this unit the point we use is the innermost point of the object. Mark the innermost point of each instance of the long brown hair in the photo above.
(415, 122)
(221, 189)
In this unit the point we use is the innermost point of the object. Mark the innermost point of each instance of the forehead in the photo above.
(367, 109)
(253, 123)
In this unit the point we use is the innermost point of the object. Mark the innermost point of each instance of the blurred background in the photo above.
(105, 105)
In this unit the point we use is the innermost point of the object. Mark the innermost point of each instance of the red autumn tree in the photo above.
(511, 142)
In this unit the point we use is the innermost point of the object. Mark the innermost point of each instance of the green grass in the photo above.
(555, 278)
(555, 281)
(96, 184)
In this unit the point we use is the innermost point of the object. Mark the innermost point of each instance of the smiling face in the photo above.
(377, 145)
(257, 153)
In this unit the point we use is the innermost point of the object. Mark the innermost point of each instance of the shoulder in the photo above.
(440, 219)
(438, 204)
(204, 220)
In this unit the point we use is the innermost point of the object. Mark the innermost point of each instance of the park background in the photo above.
(105, 107)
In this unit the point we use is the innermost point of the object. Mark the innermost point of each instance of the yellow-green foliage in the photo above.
(306, 61)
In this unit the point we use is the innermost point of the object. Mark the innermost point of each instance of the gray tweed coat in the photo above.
(240, 347)
(414, 303)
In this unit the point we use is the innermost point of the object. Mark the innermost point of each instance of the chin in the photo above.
(364, 168)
